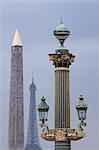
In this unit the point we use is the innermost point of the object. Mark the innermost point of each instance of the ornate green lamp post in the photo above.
(62, 134)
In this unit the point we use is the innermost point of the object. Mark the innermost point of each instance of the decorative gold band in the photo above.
(63, 134)
(61, 69)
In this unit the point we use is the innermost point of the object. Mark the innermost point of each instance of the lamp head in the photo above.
(43, 109)
(81, 108)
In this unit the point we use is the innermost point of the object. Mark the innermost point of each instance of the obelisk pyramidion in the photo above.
(16, 109)
(32, 142)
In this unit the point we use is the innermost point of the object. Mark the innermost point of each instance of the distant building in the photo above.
(32, 142)
(16, 112)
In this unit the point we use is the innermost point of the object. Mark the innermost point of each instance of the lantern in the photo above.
(43, 110)
(81, 108)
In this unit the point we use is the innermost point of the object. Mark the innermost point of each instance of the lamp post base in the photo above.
(63, 145)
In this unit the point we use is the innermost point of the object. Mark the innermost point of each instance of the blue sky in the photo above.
(36, 21)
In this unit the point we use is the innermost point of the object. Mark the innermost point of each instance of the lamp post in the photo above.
(62, 134)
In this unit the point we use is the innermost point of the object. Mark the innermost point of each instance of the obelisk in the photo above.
(16, 108)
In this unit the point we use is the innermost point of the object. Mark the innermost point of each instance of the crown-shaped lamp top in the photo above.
(61, 32)
(43, 106)
(81, 104)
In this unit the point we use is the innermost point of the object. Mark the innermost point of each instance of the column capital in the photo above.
(62, 60)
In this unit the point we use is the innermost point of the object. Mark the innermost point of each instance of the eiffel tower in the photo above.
(32, 142)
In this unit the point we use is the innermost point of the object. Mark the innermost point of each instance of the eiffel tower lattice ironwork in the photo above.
(32, 142)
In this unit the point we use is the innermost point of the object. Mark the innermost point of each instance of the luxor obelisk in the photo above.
(16, 108)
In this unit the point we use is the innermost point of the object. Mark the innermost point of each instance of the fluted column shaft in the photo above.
(62, 104)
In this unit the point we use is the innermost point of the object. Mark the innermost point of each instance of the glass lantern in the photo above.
(43, 110)
(81, 108)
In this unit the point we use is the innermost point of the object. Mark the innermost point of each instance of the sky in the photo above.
(36, 20)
